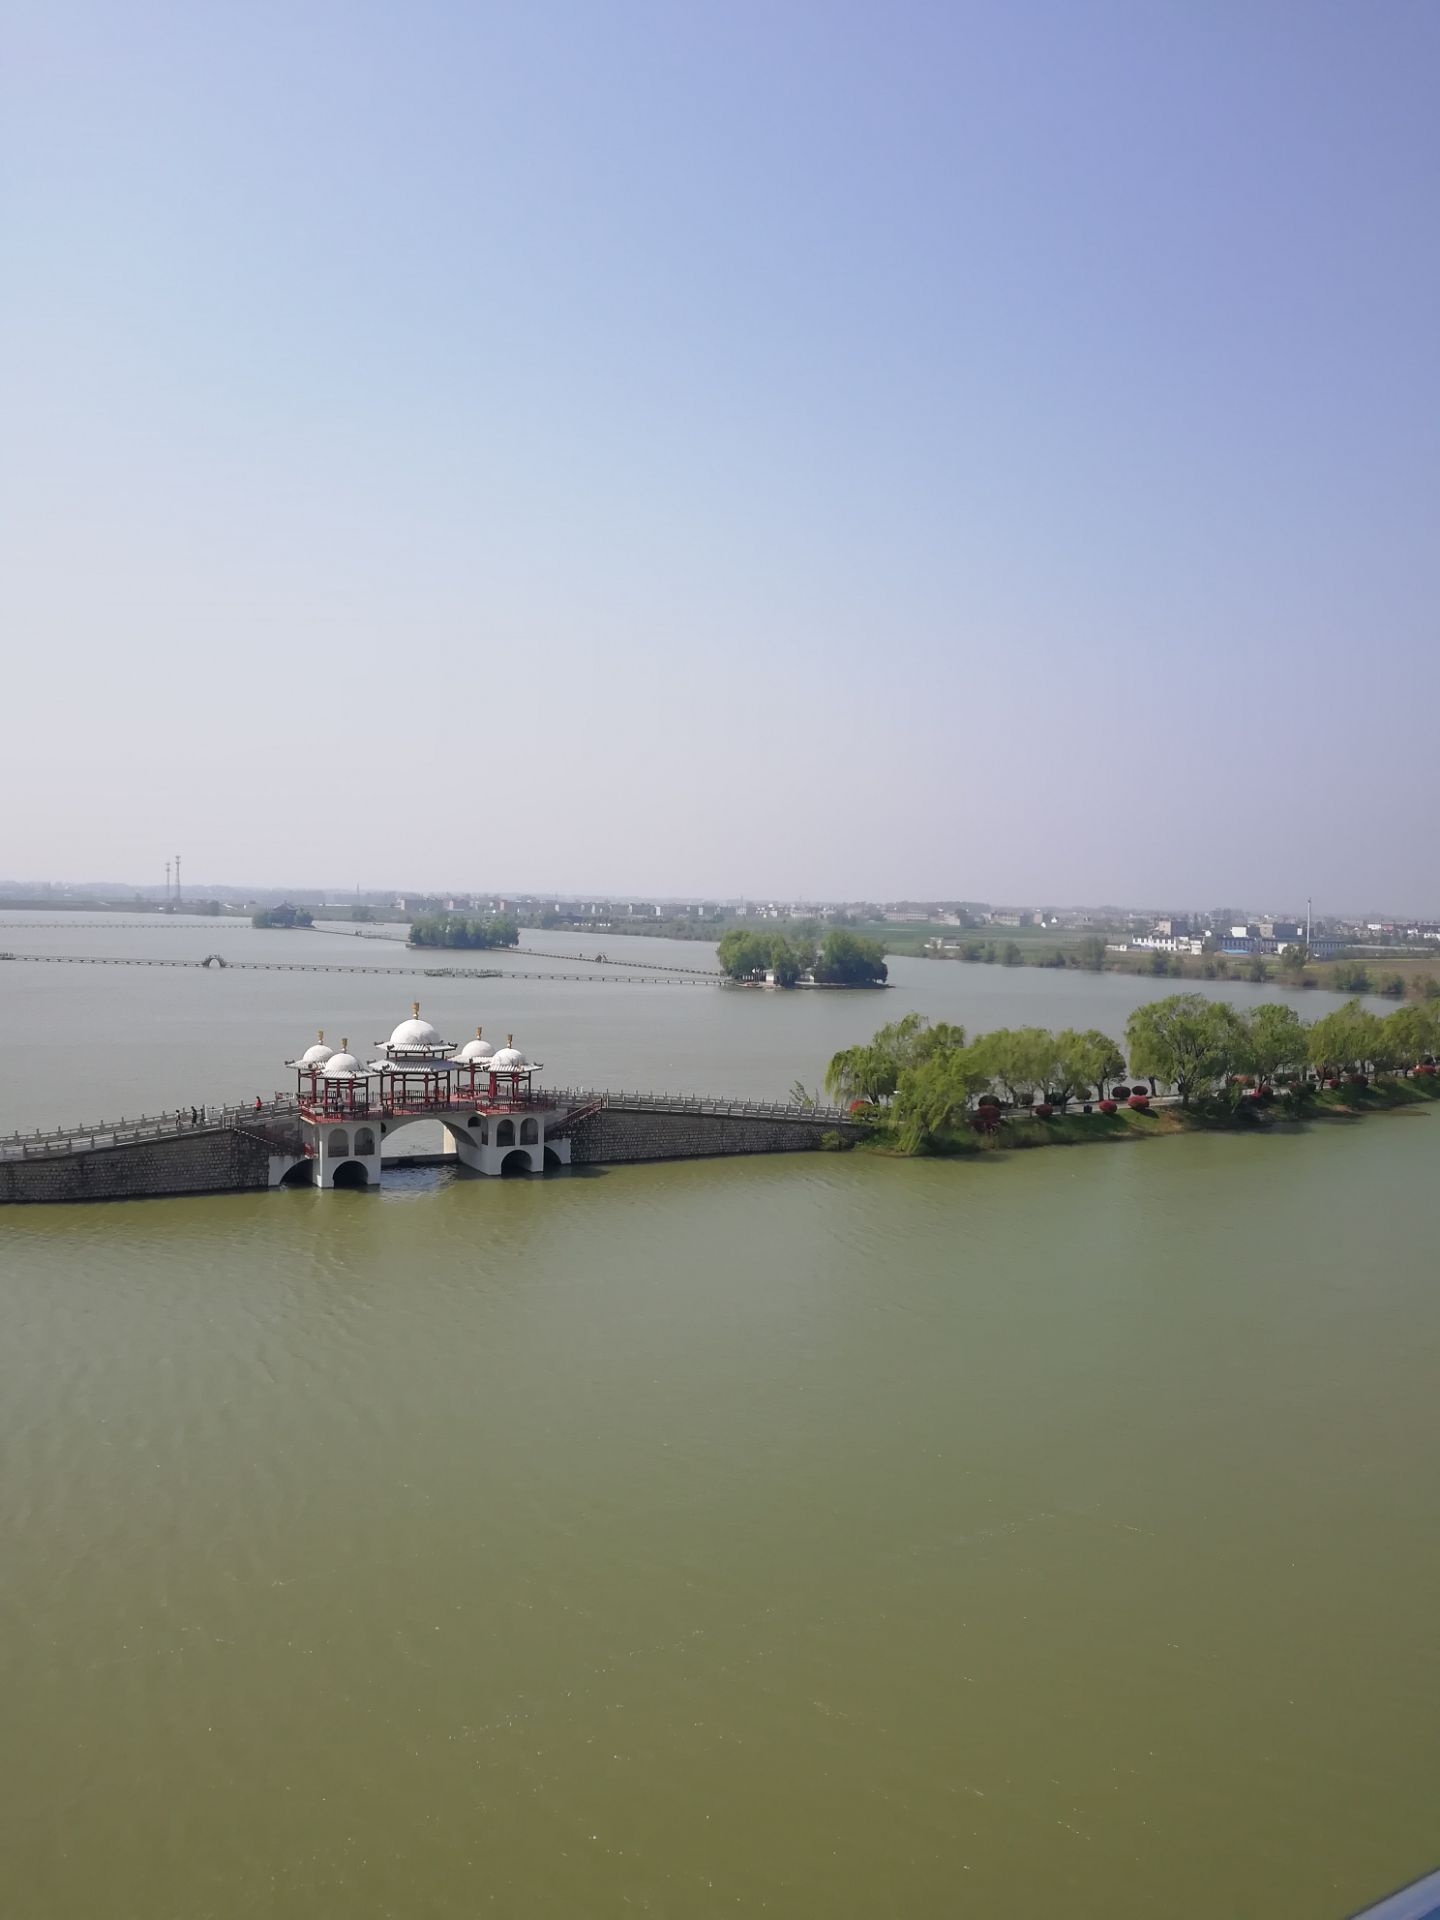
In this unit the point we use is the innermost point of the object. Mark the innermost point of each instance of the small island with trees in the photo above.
(464, 930)
(793, 959)
(285, 916)
(1188, 1063)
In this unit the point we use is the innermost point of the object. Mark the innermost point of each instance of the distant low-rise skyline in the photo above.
(1271, 905)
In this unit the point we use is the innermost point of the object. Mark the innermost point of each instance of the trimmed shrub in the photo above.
(1140, 1102)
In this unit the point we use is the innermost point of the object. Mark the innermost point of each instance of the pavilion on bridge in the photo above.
(495, 1119)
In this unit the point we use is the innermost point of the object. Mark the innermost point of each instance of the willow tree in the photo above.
(1347, 1040)
(1278, 1038)
(934, 1096)
(872, 1071)
(1089, 1059)
(1187, 1041)
(1414, 1032)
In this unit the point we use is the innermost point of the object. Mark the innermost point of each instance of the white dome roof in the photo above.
(343, 1066)
(508, 1060)
(475, 1050)
(316, 1056)
(413, 1035)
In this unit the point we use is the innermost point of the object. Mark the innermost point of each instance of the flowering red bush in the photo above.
(1044, 1110)
(1108, 1106)
(1139, 1101)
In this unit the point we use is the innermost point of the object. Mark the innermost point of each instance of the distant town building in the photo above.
(1169, 942)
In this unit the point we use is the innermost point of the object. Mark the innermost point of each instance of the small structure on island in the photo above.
(495, 1119)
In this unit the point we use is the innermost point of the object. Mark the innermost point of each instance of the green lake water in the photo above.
(816, 1536)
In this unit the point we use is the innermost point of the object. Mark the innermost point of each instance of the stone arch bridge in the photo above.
(246, 1149)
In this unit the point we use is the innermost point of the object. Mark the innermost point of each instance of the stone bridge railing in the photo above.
(274, 1116)
(722, 1105)
(281, 1110)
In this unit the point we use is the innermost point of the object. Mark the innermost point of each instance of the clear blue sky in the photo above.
(941, 449)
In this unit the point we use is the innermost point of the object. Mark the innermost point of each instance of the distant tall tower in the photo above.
(167, 883)
(1308, 917)
(177, 879)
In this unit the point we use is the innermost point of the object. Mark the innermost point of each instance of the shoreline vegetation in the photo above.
(1189, 1065)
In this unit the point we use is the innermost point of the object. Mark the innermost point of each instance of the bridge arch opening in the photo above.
(351, 1174)
(302, 1174)
(552, 1159)
(516, 1162)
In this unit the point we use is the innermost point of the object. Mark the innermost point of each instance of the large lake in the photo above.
(818, 1536)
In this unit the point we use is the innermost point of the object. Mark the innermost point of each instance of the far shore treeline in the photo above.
(841, 959)
(926, 1085)
(1293, 966)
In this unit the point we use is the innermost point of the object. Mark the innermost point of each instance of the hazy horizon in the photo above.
(313, 891)
(817, 452)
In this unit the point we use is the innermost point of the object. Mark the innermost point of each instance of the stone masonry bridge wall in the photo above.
(617, 1134)
(206, 1160)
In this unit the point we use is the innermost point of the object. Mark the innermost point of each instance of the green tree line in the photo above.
(926, 1079)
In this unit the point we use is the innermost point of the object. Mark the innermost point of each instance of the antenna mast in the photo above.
(177, 879)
